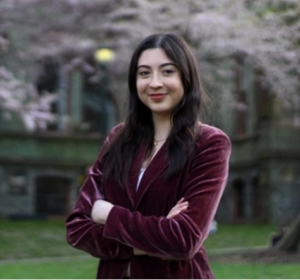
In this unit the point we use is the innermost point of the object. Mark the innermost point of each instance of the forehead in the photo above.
(153, 57)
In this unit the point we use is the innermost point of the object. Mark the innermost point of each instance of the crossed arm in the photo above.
(102, 208)
(111, 231)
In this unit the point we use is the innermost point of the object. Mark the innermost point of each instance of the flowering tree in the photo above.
(265, 32)
(18, 98)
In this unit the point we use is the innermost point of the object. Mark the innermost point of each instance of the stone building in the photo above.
(264, 180)
(41, 171)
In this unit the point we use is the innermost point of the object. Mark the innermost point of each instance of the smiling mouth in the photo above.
(157, 96)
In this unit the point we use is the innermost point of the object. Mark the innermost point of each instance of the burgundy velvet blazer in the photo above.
(138, 219)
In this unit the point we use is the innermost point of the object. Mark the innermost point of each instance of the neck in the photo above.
(162, 127)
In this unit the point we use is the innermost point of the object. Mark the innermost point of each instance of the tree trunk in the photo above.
(291, 238)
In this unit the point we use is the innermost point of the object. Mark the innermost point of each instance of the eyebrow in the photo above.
(160, 66)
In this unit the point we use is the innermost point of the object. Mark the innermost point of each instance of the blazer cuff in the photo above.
(113, 226)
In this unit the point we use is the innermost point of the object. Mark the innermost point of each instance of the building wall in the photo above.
(285, 190)
(264, 178)
(41, 174)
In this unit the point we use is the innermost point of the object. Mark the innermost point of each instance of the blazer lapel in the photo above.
(156, 167)
(134, 175)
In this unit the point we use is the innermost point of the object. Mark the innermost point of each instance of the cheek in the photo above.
(177, 87)
(181, 89)
(141, 86)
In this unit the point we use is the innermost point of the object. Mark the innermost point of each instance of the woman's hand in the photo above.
(180, 206)
(100, 211)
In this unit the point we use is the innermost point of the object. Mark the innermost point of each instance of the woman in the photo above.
(150, 197)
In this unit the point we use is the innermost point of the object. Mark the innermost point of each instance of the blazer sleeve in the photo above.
(82, 232)
(182, 236)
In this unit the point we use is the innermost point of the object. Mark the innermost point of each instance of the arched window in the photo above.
(52, 195)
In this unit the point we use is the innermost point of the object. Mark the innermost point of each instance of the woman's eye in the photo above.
(168, 71)
(143, 73)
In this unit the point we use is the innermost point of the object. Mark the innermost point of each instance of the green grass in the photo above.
(34, 239)
(255, 271)
(62, 269)
(86, 269)
(235, 236)
(26, 245)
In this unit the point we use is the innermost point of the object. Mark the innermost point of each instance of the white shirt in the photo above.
(142, 171)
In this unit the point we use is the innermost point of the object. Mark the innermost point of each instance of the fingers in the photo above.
(180, 207)
(180, 200)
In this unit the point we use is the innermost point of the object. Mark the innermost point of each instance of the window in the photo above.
(263, 102)
(52, 195)
(48, 81)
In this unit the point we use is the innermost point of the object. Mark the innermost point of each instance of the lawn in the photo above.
(86, 269)
(37, 249)
(75, 268)
(33, 239)
(255, 271)
(236, 236)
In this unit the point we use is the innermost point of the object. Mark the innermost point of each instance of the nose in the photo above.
(156, 81)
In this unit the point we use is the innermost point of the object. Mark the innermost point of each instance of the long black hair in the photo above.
(138, 126)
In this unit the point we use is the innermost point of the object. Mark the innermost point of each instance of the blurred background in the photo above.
(63, 75)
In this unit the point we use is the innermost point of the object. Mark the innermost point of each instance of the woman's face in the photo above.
(158, 82)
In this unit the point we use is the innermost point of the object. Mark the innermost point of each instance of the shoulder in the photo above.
(207, 131)
(210, 135)
(115, 131)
